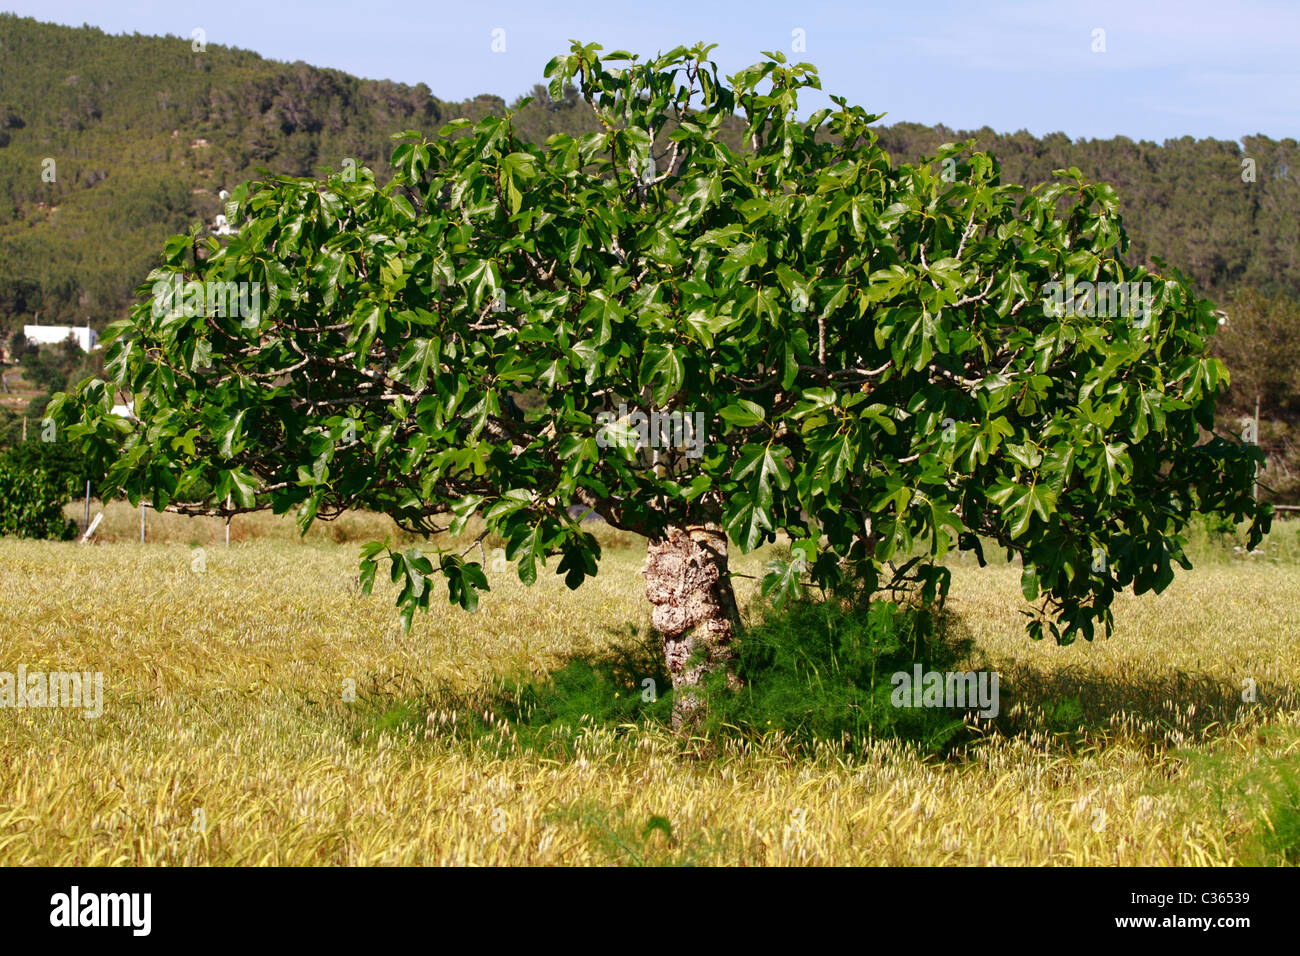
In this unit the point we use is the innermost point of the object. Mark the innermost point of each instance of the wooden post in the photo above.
(1254, 488)
(93, 525)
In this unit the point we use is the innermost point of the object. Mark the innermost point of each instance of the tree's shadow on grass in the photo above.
(1072, 707)
(814, 674)
(622, 685)
(817, 674)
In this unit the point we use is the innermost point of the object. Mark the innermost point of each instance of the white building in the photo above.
(222, 228)
(86, 337)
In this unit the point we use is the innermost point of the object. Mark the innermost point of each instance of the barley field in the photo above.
(248, 718)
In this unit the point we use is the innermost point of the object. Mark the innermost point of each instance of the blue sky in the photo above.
(1168, 69)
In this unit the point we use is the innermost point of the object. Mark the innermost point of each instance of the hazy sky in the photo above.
(1168, 68)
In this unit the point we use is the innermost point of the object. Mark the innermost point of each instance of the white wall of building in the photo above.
(85, 336)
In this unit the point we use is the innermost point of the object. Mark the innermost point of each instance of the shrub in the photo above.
(62, 464)
(31, 504)
(823, 671)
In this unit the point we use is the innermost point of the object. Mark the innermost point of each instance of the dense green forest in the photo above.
(110, 144)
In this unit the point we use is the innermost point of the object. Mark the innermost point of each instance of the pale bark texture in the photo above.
(694, 608)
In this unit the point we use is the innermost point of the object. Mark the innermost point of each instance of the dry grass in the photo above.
(225, 738)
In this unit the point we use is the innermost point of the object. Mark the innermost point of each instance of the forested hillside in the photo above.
(144, 131)
(110, 144)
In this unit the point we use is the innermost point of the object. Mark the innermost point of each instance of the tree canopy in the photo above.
(886, 362)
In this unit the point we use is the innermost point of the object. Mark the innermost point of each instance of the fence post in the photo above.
(1254, 488)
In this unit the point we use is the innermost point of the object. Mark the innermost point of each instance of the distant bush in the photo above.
(11, 427)
(1219, 525)
(31, 504)
(62, 464)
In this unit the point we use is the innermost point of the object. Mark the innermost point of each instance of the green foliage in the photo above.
(11, 427)
(1219, 528)
(31, 504)
(817, 671)
(61, 464)
(1241, 224)
(870, 347)
(1260, 342)
(1065, 716)
(1280, 830)
(593, 690)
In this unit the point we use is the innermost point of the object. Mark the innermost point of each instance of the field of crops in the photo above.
(230, 733)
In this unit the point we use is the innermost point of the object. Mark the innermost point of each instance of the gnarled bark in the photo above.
(694, 608)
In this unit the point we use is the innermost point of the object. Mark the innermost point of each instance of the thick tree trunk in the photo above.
(694, 608)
